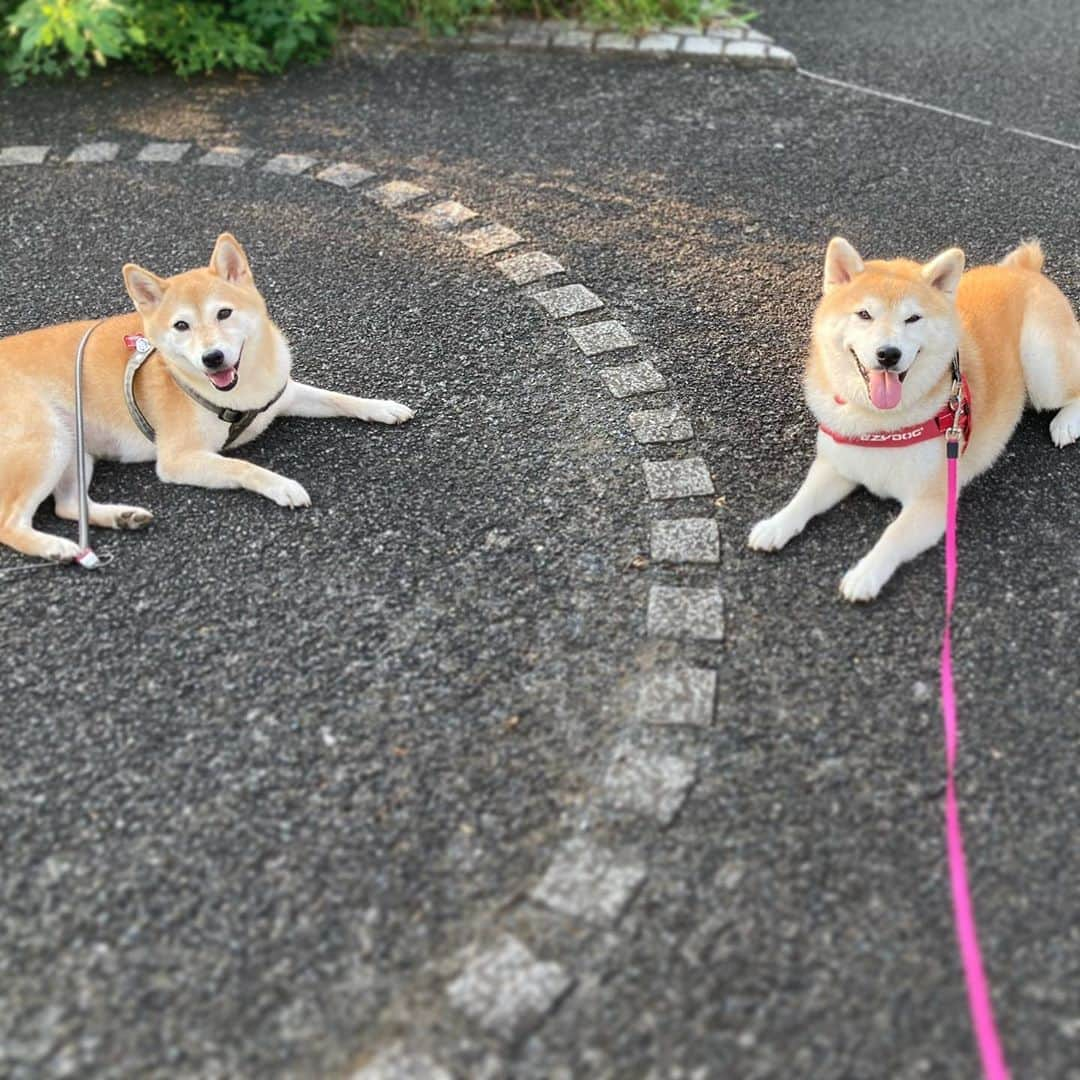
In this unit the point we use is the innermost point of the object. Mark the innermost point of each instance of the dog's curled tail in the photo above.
(1028, 256)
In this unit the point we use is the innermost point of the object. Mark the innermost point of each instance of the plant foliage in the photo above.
(62, 37)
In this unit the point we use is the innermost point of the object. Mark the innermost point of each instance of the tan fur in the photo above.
(1018, 342)
(37, 449)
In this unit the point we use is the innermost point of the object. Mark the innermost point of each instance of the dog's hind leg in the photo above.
(102, 515)
(822, 489)
(33, 449)
(1050, 357)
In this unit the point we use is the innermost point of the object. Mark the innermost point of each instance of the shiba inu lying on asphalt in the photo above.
(888, 339)
(216, 373)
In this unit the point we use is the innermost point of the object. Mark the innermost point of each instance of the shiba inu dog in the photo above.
(216, 373)
(888, 339)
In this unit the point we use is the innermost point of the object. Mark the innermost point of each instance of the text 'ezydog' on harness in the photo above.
(955, 417)
(239, 420)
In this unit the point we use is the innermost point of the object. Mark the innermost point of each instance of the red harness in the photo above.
(933, 428)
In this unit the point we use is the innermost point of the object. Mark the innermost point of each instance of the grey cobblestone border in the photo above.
(717, 41)
(502, 987)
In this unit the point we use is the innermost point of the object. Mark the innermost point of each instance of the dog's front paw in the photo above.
(1065, 427)
(286, 492)
(771, 534)
(385, 412)
(57, 549)
(863, 581)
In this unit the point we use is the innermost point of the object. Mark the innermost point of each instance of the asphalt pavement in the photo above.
(258, 777)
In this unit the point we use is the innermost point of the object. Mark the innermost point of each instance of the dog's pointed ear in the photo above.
(229, 261)
(945, 270)
(842, 263)
(144, 288)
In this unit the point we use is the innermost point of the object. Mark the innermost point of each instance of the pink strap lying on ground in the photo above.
(979, 1004)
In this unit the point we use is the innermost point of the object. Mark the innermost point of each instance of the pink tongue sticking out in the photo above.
(224, 379)
(885, 389)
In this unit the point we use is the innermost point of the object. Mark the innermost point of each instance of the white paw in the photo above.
(771, 534)
(1065, 428)
(385, 412)
(132, 517)
(60, 550)
(862, 582)
(286, 492)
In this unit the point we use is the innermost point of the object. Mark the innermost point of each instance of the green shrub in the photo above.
(60, 37)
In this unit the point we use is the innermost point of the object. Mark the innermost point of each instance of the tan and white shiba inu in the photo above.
(218, 356)
(885, 337)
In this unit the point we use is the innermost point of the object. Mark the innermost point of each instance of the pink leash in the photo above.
(979, 1004)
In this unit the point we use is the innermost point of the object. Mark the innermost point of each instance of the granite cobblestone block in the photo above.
(602, 337)
(163, 153)
(23, 155)
(344, 174)
(506, 990)
(658, 43)
(568, 300)
(685, 540)
(679, 612)
(629, 379)
(590, 883)
(445, 215)
(678, 479)
(489, 239)
(642, 781)
(289, 164)
(682, 696)
(746, 51)
(394, 193)
(666, 425)
(533, 266)
(94, 153)
(699, 45)
(226, 157)
(610, 41)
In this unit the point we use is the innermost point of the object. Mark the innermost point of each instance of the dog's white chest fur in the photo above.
(889, 472)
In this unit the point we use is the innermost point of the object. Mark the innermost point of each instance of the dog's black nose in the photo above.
(889, 355)
(214, 358)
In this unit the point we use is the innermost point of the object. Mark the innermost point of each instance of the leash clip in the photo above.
(87, 559)
(954, 434)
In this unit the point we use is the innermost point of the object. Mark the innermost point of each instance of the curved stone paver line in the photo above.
(289, 164)
(504, 989)
(445, 215)
(163, 153)
(344, 175)
(394, 193)
(23, 155)
(93, 153)
(718, 42)
(664, 425)
(685, 540)
(227, 157)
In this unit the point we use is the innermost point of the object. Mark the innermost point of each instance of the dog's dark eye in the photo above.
(180, 325)
(864, 314)
(912, 318)
(224, 313)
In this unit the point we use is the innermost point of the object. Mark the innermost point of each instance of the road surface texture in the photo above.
(262, 779)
